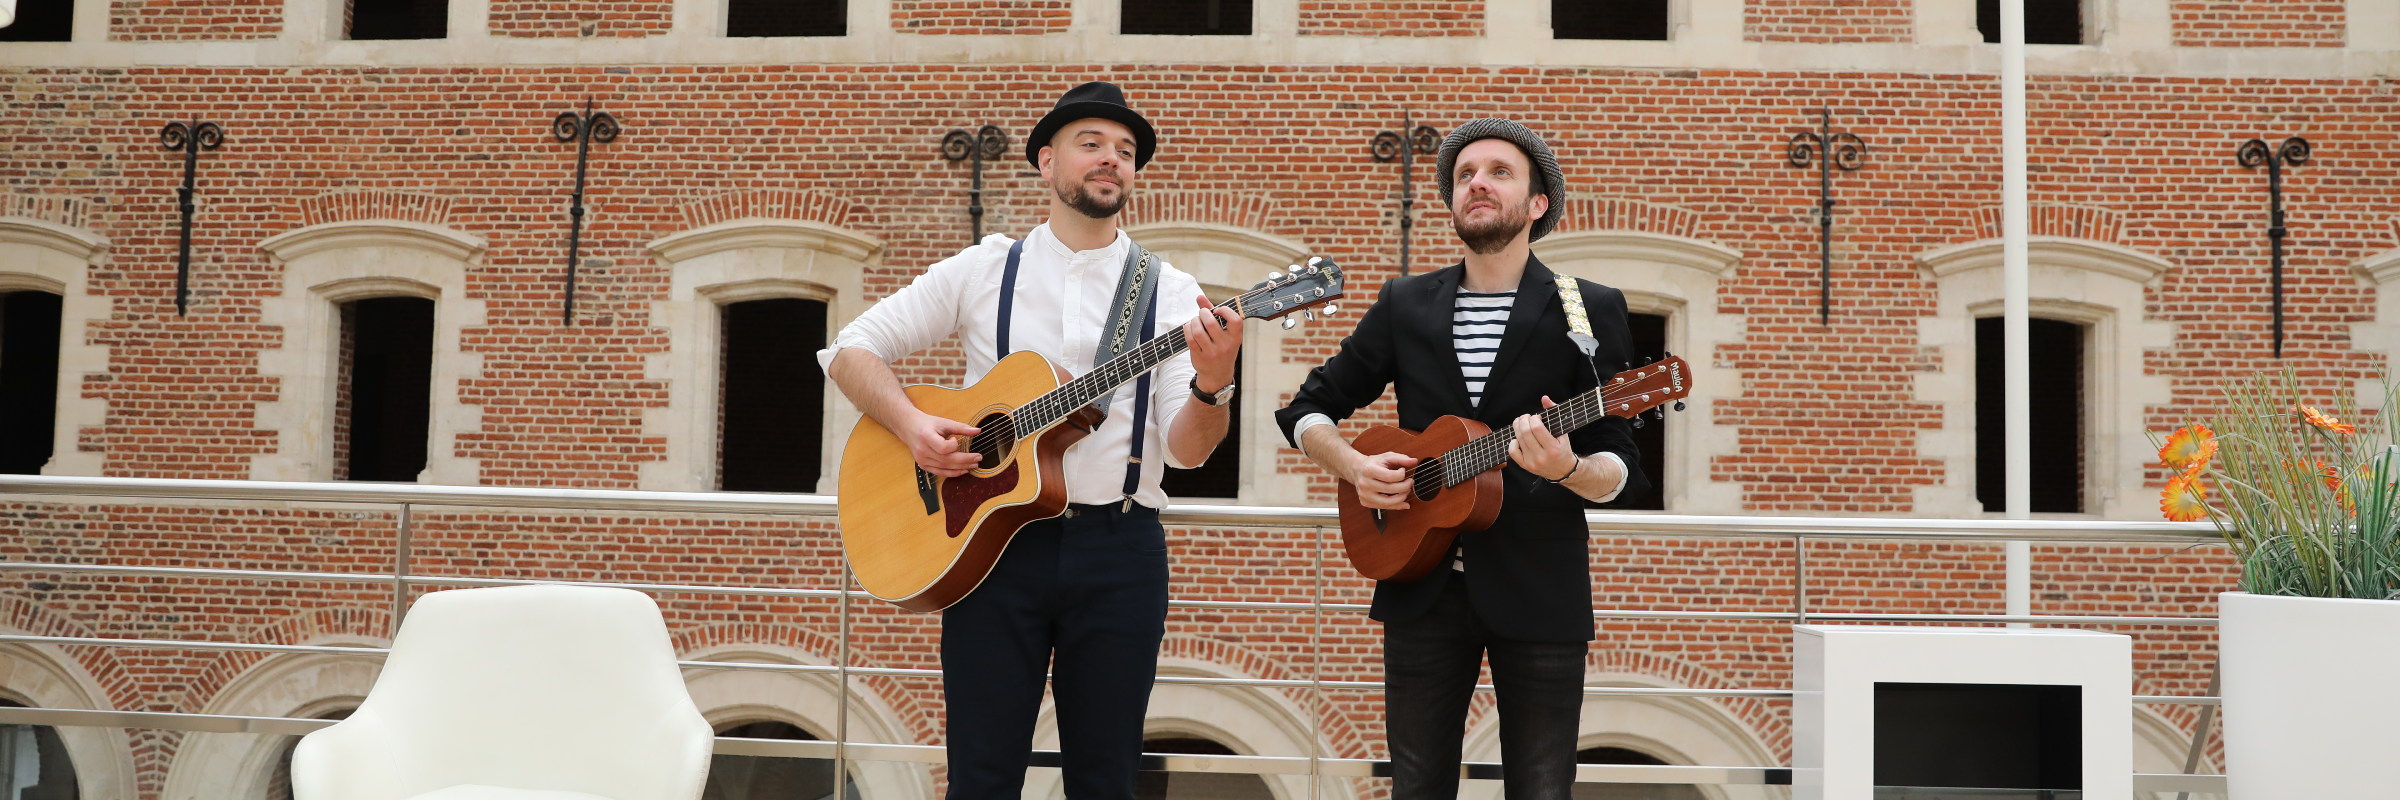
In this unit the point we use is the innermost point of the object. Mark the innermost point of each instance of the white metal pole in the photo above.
(2015, 327)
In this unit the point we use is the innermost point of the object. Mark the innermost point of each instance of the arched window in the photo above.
(279, 784)
(2091, 388)
(768, 777)
(29, 330)
(34, 763)
(755, 291)
(1150, 785)
(771, 395)
(1628, 791)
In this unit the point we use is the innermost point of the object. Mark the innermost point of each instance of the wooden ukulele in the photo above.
(1458, 473)
(923, 541)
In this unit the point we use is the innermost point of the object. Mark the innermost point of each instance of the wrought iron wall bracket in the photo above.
(582, 129)
(1389, 146)
(2293, 152)
(191, 139)
(1826, 150)
(988, 143)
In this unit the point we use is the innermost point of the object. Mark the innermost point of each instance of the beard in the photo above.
(1078, 197)
(1493, 234)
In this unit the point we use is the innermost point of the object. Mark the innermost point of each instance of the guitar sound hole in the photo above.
(996, 441)
(1428, 478)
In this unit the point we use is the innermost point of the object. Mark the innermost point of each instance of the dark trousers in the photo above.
(1084, 597)
(1430, 665)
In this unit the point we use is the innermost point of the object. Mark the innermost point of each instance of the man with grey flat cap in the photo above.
(1081, 596)
(1486, 339)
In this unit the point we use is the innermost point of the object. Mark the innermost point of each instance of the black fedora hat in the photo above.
(1098, 99)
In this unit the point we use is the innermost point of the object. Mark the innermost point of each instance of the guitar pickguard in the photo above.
(929, 490)
(966, 493)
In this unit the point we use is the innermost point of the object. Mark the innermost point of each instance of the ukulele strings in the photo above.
(1483, 451)
(1052, 406)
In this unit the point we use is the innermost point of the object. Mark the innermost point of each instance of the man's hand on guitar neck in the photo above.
(1382, 480)
(1548, 457)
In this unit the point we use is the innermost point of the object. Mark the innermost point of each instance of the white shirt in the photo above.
(1062, 302)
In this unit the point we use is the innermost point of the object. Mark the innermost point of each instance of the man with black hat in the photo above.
(1487, 339)
(1084, 594)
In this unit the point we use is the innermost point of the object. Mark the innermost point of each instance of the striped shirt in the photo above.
(1476, 324)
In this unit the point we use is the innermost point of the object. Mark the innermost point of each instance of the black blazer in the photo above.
(1526, 574)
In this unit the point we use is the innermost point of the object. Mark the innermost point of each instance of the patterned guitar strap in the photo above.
(1137, 291)
(1579, 326)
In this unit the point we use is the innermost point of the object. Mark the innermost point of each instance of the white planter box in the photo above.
(1835, 669)
(2312, 690)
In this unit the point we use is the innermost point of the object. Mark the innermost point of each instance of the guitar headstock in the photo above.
(1305, 288)
(1646, 387)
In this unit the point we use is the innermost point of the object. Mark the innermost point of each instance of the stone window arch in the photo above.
(329, 264)
(1684, 731)
(1675, 277)
(1227, 260)
(730, 699)
(740, 260)
(306, 686)
(41, 676)
(38, 255)
(1246, 721)
(2092, 283)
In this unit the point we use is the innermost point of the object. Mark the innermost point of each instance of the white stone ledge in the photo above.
(750, 232)
(76, 242)
(441, 241)
(2082, 254)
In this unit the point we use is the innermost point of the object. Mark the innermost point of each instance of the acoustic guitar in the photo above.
(923, 541)
(1457, 474)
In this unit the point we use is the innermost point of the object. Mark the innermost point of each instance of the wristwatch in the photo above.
(1222, 396)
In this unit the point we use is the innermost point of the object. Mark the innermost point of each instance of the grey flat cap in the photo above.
(1554, 181)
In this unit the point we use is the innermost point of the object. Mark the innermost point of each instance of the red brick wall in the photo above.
(2259, 23)
(982, 16)
(1826, 418)
(180, 20)
(1391, 17)
(572, 18)
(1829, 21)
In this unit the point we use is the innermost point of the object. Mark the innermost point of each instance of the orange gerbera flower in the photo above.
(2189, 448)
(2326, 422)
(2185, 499)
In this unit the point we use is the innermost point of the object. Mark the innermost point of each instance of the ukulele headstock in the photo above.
(1646, 387)
(1303, 290)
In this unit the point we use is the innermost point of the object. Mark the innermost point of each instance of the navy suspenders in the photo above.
(1141, 387)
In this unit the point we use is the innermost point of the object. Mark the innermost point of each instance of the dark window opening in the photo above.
(787, 18)
(773, 396)
(2057, 416)
(1978, 736)
(1649, 344)
(279, 785)
(382, 409)
(2046, 21)
(1628, 791)
(1221, 477)
(34, 762)
(1187, 17)
(1608, 19)
(28, 380)
(771, 777)
(399, 19)
(41, 21)
(1150, 784)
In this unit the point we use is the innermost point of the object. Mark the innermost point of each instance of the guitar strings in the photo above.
(1489, 449)
(1053, 405)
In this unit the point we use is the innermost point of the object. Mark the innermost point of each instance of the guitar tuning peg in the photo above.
(1332, 309)
(1311, 315)
(1637, 420)
(1274, 276)
(1290, 323)
(1679, 405)
(1312, 260)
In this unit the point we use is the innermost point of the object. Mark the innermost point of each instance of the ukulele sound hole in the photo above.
(995, 443)
(1428, 477)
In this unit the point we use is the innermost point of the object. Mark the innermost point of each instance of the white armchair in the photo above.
(522, 693)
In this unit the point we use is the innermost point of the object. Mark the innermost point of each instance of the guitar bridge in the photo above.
(929, 489)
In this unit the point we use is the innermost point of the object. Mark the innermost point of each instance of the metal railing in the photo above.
(1798, 530)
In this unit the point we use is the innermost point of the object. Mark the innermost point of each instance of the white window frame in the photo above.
(42, 256)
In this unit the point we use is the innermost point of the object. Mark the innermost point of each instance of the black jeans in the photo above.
(1091, 589)
(1430, 664)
